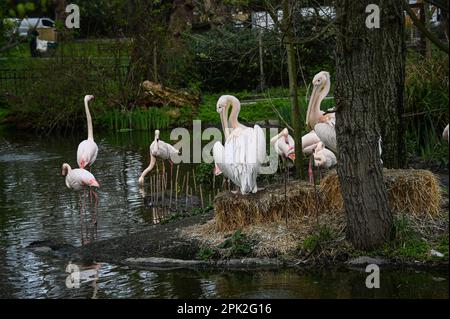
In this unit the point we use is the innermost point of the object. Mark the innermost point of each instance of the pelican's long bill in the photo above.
(312, 102)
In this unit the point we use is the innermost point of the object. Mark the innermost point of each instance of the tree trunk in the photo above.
(389, 42)
(369, 93)
(293, 88)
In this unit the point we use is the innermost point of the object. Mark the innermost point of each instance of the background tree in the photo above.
(369, 88)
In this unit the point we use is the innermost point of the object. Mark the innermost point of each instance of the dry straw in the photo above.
(235, 211)
(415, 192)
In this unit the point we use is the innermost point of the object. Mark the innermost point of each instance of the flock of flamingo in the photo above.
(244, 152)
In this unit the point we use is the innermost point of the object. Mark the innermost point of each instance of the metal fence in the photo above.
(15, 81)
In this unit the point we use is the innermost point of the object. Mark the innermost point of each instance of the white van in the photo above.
(28, 24)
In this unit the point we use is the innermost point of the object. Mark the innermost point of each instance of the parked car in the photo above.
(34, 23)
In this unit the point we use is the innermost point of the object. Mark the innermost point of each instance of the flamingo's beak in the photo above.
(217, 170)
(94, 183)
(292, 157)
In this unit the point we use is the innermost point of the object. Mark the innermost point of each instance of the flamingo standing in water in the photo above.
(87, 149)
(162, 150)
(77, 179)
(244, 150)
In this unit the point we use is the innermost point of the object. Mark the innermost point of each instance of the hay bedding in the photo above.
(415, 192)
(236, 211)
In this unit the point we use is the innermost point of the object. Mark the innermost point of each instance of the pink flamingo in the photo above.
(284, 144)
(87, 149)
(162, 150)
(77, 179)
(323, 157)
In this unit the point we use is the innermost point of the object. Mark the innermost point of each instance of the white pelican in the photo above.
(244, 150)
(322, 124)
(162, 150)
(87, 149)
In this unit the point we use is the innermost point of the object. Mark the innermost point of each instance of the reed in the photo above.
(136, 119)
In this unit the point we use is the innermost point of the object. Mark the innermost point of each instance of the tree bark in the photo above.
(293, 88)
(389, 42)
(369, 88)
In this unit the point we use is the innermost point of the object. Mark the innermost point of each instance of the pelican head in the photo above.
(321, 78)
(222, 103)
(321, 87)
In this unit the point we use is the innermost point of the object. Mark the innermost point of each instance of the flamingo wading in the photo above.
(162, 150)
(87, 149)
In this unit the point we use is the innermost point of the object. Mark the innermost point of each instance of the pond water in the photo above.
(35, 205)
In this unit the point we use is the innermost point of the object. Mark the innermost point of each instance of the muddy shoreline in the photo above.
(164, 247)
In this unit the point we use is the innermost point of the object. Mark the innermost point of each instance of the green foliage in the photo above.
(407, 245)
(204, 173)
(238, 244)
(318, 239)
(426, 105)
(406, 242)
(228, 59)
(206, 253)
(181, 215)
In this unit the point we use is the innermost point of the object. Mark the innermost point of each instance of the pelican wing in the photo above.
(259, 142)
(327, 134)
(238, 159)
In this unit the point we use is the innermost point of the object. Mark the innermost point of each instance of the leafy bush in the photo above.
(426, 104)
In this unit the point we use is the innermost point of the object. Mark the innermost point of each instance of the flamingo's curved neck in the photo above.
(66, 169)
(150, 166)
(156, 141)
(276, 137)
(89, 120)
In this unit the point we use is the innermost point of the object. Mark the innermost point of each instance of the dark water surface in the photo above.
(35, 205)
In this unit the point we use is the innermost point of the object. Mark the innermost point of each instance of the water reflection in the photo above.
(35, 205)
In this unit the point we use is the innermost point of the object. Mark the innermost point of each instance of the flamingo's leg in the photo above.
(310, 172)
(171, 169)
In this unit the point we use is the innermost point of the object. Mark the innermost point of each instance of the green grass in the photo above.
(136, 119)
(275, 106)
(408, 246)
(317, 239)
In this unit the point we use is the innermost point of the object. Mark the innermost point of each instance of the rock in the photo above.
(166, 262)
(436, 253)
(43, 249)
(249, 263)
(365, 260)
